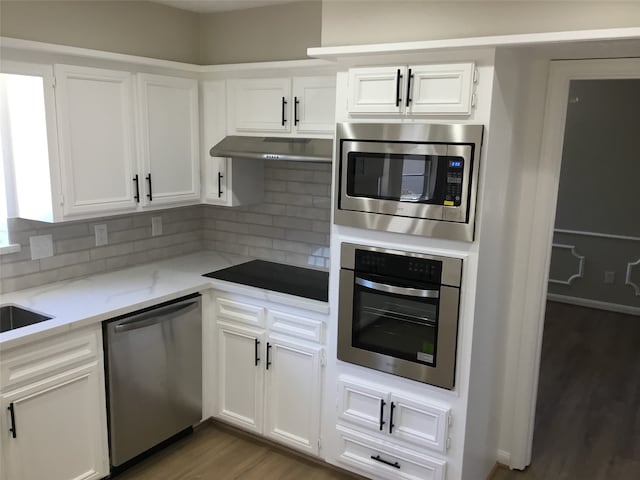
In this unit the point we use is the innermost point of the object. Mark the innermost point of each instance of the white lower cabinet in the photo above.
(384, 461)
(268, 382)
(393, 415)
(54, 420)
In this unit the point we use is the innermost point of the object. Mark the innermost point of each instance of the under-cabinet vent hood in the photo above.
(275, 148)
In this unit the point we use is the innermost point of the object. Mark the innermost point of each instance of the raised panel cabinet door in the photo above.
(376, 90)
(95, 116)
(169, 133)
(314, 104)
(60, 428)
(241, 376)
(363, 404)
(260, 105)
(441, 89)
(423, 424)
(293, 391)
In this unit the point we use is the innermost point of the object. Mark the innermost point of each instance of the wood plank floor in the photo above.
(214, 452)
(588, 414)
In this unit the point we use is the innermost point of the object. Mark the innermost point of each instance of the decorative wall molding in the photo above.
(580, 269)
(630, 267)
(585, 302)
(596, 234)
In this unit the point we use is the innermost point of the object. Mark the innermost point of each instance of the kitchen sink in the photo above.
(13, 316)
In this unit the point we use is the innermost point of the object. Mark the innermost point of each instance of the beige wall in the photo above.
(279, 32)
(350, 22)
(133, 27)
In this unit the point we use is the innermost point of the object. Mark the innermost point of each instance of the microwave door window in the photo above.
(405, 178)
(395, 325)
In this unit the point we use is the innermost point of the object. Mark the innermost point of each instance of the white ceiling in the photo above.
(209, 6)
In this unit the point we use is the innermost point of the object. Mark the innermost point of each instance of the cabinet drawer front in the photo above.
(363, 404)
(42, 359)
(423, 424)
(385, 461)
(296, 326)
(239, 311)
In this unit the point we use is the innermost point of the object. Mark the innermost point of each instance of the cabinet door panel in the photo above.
(293, 394)
(376, 90)
(315, 111)
(366, 405)
(423, 424)
(441, 89)
(60, 429)
(96, 139)
(255, 105)
(240, 380)
(169, 138)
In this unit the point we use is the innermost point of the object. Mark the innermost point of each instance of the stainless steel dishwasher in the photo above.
(154, 376)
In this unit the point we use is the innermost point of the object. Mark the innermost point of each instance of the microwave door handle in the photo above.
(383, 287)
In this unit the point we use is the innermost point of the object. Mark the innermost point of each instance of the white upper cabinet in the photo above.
(260, 105)
(225, 181)
(439, 89)
(302, 105)
(376, 90)
(95, 114)
(169, 129)
(314, 104)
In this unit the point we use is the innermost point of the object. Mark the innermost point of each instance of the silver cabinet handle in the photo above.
(383, 287)
(153, 317)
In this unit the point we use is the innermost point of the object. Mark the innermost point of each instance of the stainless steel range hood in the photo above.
(275, 148)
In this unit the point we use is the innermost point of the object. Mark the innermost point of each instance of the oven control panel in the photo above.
(399, 266)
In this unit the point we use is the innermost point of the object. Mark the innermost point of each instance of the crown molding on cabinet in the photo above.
(55, 49)
(515, 40)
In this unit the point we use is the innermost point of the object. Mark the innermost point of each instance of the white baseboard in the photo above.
(585, 302)
(504, 458)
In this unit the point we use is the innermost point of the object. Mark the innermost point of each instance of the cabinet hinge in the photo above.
(61, 199)
(319, 445)
(53, 81)
(323, 358)
(449, 420)
(475, 75)
(448, 443)
(473, 100)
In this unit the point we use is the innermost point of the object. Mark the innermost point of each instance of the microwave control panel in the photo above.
(453, 194)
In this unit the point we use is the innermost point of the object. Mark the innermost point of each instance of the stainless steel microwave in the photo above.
(417, 178)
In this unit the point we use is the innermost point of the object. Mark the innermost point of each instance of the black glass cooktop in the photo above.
(302, 282)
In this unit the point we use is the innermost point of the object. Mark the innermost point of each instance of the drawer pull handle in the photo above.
(386, 462)
(256, 357)
(13, 420)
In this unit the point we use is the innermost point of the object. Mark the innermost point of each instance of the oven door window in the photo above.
(395, 320)
(399, 177)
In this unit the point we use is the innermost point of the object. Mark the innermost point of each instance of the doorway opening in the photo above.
(587, 375)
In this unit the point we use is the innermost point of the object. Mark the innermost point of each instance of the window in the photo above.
(25, 187)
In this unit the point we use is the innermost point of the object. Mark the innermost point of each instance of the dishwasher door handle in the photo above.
(154, 316)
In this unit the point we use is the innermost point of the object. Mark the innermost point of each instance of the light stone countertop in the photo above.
(89, 300)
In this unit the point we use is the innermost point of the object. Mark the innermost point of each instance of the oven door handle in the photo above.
(383, 287)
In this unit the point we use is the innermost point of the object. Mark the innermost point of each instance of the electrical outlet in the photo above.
(156, 226)
(102, 236)
(41, 246)
(609, 277)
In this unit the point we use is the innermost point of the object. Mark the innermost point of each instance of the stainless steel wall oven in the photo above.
(398, 312)
(414, 178)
